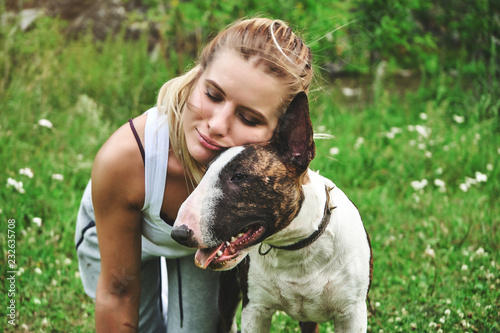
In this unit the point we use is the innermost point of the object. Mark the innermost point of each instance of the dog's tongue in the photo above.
(204, 257)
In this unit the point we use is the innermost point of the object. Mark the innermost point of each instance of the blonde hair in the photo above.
(279, 52)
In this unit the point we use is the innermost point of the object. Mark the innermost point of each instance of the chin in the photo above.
(201, 154)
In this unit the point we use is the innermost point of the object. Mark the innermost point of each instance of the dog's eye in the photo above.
(238, 177)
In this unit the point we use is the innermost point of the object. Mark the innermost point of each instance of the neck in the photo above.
(310, 218)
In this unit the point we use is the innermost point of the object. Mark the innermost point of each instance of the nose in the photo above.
(184, 236)
(219, 122)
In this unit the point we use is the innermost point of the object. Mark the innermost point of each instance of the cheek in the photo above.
(248, 135)
(194, 105)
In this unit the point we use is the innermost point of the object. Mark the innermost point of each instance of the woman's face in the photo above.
(233, 103)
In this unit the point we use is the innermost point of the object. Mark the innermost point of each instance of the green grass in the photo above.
(436, 249)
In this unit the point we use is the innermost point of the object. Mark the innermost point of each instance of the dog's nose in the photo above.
(183, 235)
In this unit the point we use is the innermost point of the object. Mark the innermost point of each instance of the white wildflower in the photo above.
(421, 146)
(432, 324)
(57, 176)
(438, 182)
(17, 185)
(470, 181)
(439, 171)
(430, 252)
(37, 221)
(27, 172)
(350, 92)
(359, 142)
(465, 267)
(423, 116)
(38, 270)
(441, 184)
(489, 167)
(428, 154)
(447, 312)
(45, 123)
(480, 252)
(442, 320)
(37, 301)
(413, 326)
(464, 187)
(334, 151)
(321, 128)
(67, 262)
(419, 185)
(458, 119)
(481, 177)
(423, 131)
(396, 130)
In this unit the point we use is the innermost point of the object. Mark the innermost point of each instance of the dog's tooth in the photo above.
(240, 234)
(219, 253)
(233, 239)
(228, 244)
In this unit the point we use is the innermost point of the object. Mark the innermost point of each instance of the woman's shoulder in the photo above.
(118, 166)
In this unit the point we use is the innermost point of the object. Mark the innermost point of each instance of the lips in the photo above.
(208, 143)
(219, 256)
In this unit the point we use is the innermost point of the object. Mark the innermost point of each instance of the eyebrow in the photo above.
(255, 112)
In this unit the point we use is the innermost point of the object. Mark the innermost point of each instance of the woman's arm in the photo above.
(118, 195)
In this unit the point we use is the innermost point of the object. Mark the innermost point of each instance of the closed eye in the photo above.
(247, 120)
(212, 97)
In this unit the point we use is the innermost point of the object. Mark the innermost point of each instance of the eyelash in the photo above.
(243, 119)
(212, 97)
(248, 122)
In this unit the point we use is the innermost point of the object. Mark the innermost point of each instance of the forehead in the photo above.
(246, 82)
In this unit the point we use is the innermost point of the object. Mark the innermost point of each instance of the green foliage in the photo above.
(430, 34)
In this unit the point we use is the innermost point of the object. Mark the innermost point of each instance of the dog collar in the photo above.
(313, 237)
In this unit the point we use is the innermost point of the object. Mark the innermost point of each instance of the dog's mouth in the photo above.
(217, 257)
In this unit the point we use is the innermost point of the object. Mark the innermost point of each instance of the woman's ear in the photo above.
(294, 137)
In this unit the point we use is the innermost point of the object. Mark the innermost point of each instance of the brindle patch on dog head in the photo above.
(257, 189)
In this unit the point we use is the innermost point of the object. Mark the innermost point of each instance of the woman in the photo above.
(245, 79)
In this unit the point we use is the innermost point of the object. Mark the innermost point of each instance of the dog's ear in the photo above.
(294, 137)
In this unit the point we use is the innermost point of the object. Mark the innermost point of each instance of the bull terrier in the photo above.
(307, 251)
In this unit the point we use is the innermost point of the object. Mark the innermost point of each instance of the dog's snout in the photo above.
(183, 235)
